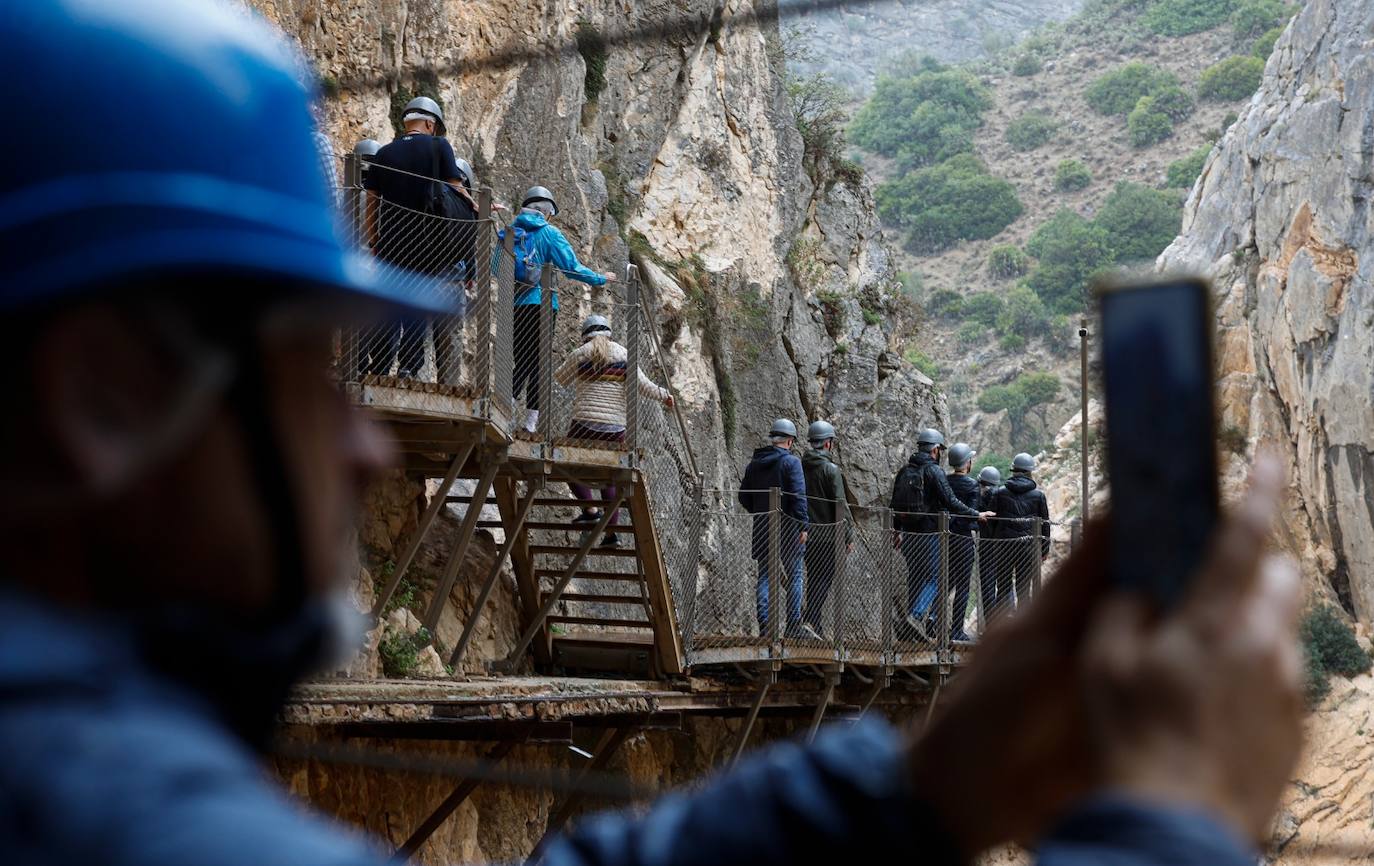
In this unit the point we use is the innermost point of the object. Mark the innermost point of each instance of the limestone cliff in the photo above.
(1281, 221)
(689, 161)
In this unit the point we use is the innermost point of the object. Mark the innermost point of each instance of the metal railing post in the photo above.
(504, 295)
(975, 577)
(1037, 557)
(774, 562)
(632, 362)
(688, 621)
(545, 349)
(888, 545)
(485, 350)
(838, 576)
(354, 200)
(942, 597)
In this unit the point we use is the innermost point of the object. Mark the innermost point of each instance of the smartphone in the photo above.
(1161, 432)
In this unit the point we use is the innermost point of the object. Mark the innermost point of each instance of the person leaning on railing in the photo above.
(1016, 505)
(545, 245)
(596, 370)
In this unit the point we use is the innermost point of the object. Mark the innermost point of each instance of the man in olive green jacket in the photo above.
(829, 513)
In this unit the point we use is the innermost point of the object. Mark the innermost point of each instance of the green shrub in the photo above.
(872, 317)
(1026, 63)
(1228, 121)
(1316, 681)
(1071, 175)
(1023, 314)
(1011, 342)
(1252, 18)
(1028, 392)
(922, 118)
(818, 106)
(946, 203)
(983, 308)
(1139, 222)
(1182, 17)
(1148, 124)
(945, 302)
(1183, 172)
(1118, 91)
(592, 47)
(1031, 130)
(913, 283)
(1070, 251)
(1264, 44)
(921, 361)
(970, 333)
(1175, 102)
(400, 651)
(1232, 79)
(1007, 261)
(1328, 637)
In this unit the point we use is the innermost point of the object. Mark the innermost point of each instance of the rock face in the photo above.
(775, 294)
(1281, 221)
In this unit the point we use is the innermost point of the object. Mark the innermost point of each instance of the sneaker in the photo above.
(809, 632)
(532, 421)
(587, 516)
(961, 636)
(611, 540)
(917, 626)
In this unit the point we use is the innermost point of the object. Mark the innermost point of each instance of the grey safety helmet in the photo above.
(1023, 462)
(783, 427)
(929, 439)
(367, 148)
(990, 476)
(425, 105)
(820, 431)
(593, 325)
(465, 169)
(539, 193)
(960, 453)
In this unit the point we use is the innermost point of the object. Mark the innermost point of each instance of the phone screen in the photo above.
(1161, 444)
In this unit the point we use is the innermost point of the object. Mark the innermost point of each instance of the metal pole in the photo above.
(749, 721)
(481, 280)
(774, 562)
(545, 368)
(1083, 409)
(841, 530)
(354, 200)
(1037, 554)
(631, 383)
(890, 583)
(942, 602)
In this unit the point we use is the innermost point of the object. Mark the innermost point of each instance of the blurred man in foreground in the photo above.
(178, 488)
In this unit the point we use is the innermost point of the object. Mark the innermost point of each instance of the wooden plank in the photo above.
(608, 623)
(668, 640)
(596, 550)
(591, 575)
(611, 740)
(548, 526)
(599, 598)
(450, 804)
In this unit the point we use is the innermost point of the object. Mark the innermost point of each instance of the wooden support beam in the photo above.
(667, 639)
(450, 804)
(538, 622)
(610, 742)
(881, 680)
(749, 721)
(494, 572)
(526, 576)
(460, 547)
(819, 716)
(427, 519)
(442, 729)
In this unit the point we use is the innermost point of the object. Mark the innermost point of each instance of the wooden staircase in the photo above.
(614, 611)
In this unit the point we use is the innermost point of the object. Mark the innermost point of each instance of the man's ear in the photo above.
(101, 391)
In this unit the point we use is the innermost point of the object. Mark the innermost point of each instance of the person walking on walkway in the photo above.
(537, 243)
(828, 511)
(1016, 505)
(596, 370)
(775, 466)
(989, 483)
(961, 529)
(919, 492)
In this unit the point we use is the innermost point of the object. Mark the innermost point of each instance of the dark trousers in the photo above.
(582, 491)
(989, 601)
(821, 568)
(528, 353)
(1017, 568)
(382, 346)
(961, 551)
(922, 554)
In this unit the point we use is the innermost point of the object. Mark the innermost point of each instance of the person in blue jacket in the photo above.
(149, 632)
(774, 465)
(548, 246)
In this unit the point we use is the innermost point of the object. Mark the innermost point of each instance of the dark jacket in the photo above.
(107, 762)
(1016, 503)
(965, 488)
(938, 497)
(825, 502)
(771, 467)
(986, 494)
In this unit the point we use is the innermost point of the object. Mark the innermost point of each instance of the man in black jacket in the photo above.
(961, 534)
(919, 492)
(829, 513)
(774, 465)
(989, 485)
(1016, 506)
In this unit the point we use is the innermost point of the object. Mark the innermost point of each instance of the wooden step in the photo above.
(550, 527)
(602, 638)
(557, 550)
(467, 500)
(591, 575)
(597, 621)
(595, 598)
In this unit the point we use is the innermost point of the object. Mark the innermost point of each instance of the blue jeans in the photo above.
(793, 566)
(922, 554)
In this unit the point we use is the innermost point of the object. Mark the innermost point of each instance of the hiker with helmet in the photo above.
(919, 492)
(989, 484)
(418, 217)
(1016, 505)
(961, 531)
(775, 466)
(537, 242)
(828, 511)
(596, 370)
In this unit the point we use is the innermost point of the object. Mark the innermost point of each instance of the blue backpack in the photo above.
(527, 264)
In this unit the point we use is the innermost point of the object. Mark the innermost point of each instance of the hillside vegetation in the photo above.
(1011, 184)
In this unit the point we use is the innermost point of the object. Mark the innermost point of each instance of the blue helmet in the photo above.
(227, 177)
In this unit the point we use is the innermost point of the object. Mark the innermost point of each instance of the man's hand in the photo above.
(984, 515)
(801, 539)
(610, 276)
(1204, 708)
(1059, 703)
(668, 401)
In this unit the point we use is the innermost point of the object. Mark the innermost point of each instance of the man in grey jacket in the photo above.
(829, 517)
